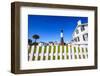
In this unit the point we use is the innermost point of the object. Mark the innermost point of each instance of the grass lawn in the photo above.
(54, 49)
(66, 49)
(74, 49)
(34, 50)
(58, 57)
(83, 50)
(63, 57)
(86, 50)
(83, 56)
(59, 49)
(49, 49)
(40, 49)
(44, 57)
(39, 57)
(53, 57)
(67, 57)
(33, 58)
(78, 49)
(62, 49)
(49, 57)
(75, 56)
(45, 49)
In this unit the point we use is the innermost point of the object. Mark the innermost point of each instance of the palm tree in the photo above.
(30, 42)
(35, 37)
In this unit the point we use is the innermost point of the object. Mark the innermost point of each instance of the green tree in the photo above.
(35, 37)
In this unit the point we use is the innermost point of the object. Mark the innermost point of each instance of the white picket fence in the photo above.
(66, 52)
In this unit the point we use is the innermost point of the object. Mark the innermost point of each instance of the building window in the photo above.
(78, 39)
(75, 39)
(82, 28)
(85, 37)
(77, 31)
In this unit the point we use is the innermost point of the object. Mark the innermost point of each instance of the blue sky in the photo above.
(49, 27)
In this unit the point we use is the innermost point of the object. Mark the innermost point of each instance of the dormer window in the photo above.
(85, 37)
(82, 28)
(77, 31)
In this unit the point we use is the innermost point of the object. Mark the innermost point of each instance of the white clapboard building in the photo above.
(80, 34)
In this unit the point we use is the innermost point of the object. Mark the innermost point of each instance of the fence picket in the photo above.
(51, 54)
(81, 53)
(42, 54)
(47, 52)
(56, 53)
(65, 52)
(69, 51)
(31, 53)
(72, 53)
(36, 54)
(77, 54)
(60, 54)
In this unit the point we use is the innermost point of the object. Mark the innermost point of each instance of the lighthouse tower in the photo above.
(62, 37)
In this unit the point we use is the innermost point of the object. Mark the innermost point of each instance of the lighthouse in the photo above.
(62, 37)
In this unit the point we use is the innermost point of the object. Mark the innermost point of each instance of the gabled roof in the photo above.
(84, 24)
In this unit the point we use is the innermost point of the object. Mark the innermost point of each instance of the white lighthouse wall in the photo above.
(61, 34)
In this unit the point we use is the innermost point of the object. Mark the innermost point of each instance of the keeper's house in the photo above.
(80, 34)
